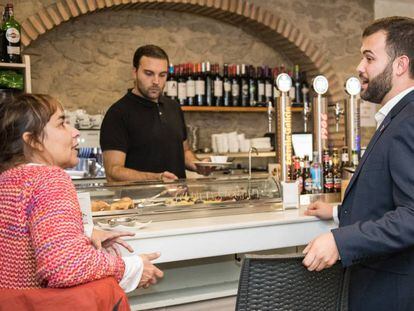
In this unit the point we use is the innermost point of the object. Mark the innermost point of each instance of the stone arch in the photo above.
(274, 31)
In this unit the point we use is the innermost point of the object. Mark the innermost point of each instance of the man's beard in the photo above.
(379, 86)
(146, 92)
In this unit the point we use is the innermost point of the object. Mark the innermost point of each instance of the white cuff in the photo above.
(335, 214)
(132, 274)
(88, 229)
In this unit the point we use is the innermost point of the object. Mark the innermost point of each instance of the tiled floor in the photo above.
(222, 304)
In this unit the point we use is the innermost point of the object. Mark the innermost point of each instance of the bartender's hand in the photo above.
(203, 170)
(320, 209)
(321, 253)
(110, 241)
(151, 273)
(167, 176)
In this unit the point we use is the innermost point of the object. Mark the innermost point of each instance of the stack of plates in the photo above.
(261, 143)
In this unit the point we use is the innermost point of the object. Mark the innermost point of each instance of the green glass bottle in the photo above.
(11, 31)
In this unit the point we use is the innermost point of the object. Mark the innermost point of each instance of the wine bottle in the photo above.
(252, 87)
(200, 85)
(172, 91)
(260, 87)
(218, 86)
(190, 85)
(235, 86)
(209, 85)
(11, 31)
(182, 86)
(244, 87)
(226, 86)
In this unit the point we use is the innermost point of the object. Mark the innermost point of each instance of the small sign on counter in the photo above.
(290, 194)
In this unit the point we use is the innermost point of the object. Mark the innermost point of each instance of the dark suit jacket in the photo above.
(376, 227)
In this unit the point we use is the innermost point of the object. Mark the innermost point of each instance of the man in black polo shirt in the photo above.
(143, 135)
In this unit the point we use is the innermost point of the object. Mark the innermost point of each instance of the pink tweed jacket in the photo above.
(42, 242)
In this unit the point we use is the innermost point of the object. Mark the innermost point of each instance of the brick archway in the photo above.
(274, 31)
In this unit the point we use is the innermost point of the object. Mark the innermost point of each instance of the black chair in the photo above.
(281, 282)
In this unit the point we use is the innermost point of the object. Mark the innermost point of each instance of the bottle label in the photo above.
(308, 184)
(200, 87)
(218, 88)
(345, 158)
(268, 90)
(261, 90)
(337, 183)
(235, 90)
(13, 35)
(190, 88)
(329, 183)
(15, 50)
(172, 89)
(182, 90)
(245, 90)
(227, 87)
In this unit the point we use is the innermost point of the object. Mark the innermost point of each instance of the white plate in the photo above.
(210, 164)
(136, 226)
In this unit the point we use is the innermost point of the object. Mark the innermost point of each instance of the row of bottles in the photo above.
(204, 84)
(10, 37)
(325, 177)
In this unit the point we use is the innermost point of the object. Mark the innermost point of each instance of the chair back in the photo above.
(281, 282)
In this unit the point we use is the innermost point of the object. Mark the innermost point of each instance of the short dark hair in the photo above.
(399, 37)
(27, 113)
(149, 51)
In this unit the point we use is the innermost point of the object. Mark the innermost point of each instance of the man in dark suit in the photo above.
(375, 237)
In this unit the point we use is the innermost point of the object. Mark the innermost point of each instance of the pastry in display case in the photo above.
(206, 197)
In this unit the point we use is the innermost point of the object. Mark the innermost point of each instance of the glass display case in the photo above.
(119, 203)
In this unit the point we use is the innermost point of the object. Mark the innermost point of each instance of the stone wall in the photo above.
(86, 62)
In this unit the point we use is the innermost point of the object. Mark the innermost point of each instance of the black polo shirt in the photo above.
(150, 134)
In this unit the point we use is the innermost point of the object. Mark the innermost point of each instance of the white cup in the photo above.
(96, 120)
(84, 122)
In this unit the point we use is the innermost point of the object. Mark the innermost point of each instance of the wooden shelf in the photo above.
(12, 65)
(223, 109)
(262, 154)
(230, 109)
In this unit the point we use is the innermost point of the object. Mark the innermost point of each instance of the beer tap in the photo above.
(284, 125)
(338, 113)
(320, 115)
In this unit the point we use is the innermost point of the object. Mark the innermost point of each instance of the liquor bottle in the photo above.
(218, 86)
(252, 87)
(190, 85)
(182, 86)
(4, 57)
(226, 86)
(305, 89)
(316, 174)
(298, 100)
(355, 158)
(200, 85)
(244, 87)
(345, 157)
(336, 171)
(297, 173)
(235, 85)
(260, 82)
(172, 89)
(327, 173)
(209, 85)
(307, 178)
(11, 32)
(268, 85)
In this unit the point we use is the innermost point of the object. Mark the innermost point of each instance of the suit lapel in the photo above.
(394, 111)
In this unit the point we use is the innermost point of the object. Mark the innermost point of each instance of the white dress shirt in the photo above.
(379, 117)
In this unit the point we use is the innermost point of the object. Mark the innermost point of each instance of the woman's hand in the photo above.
(110, 241)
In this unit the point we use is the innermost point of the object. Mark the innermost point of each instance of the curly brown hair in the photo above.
(27, 113)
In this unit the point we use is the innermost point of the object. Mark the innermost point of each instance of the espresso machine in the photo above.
(90, 156)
